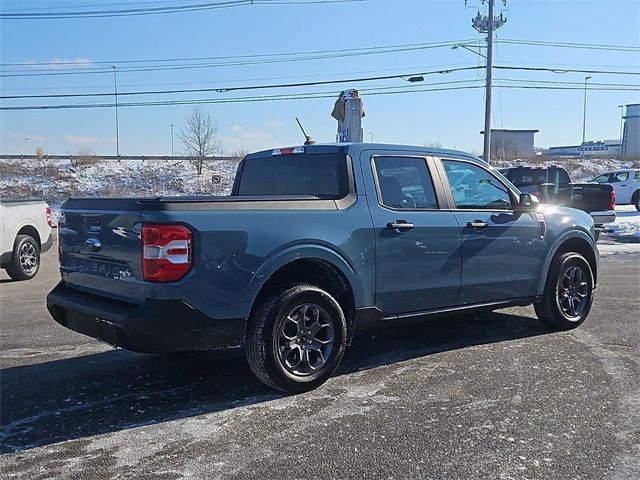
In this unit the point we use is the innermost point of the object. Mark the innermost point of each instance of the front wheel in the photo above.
(296, 339)
(568, 292)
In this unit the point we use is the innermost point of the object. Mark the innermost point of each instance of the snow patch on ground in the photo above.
(607, 249)
(627, 224)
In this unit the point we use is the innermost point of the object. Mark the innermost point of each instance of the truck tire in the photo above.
(568, 292)
(296, 338)
(25, 259)
(635, 199)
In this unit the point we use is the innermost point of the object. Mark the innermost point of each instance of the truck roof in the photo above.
(353, 147)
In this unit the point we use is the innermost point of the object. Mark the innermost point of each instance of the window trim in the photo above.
(449, 194)
(431, 171)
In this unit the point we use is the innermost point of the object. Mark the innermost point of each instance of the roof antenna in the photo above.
(308, 139)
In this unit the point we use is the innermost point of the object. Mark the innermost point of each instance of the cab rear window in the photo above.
(320, 175)
(526, 177)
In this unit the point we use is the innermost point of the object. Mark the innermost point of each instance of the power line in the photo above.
(242, 80)
(303, 84)
(584, 46)
(314, 52)
(561, 70)
(131, 12)
(117, 4)
(444, 43)
(304, 96)
(247, 87)
(237, 61)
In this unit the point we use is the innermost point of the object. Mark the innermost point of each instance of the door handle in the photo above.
(399, 225)
(477, 224)
(623, 185)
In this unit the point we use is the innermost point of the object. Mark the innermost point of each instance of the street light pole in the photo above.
(371, 133)
(25, 144)
(584, 115)
(115, 92)
(172, 139)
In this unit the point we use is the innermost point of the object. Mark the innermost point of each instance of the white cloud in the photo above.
(235, 128)
(250, 140)
(59, 63)
(31, 136)
(86, 141)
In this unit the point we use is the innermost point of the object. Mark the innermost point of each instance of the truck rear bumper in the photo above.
(602, 217)
(152, 327)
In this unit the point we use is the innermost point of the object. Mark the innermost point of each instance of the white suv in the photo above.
(626, 184)
(25, 232)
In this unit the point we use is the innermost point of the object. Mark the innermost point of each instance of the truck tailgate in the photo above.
(100, 248)
(588, 197)
(591, 197)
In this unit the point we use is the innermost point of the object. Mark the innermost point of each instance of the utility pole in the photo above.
(584, 116)
(488, 24)
(172, 139)
(115, 92)
(25, 144)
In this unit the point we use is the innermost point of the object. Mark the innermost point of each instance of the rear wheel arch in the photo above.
(311, 271)
(32, 232)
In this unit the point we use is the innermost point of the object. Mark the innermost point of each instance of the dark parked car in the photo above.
(552, 185)
(313, 243)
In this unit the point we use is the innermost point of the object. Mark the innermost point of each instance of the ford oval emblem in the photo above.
(92, 244)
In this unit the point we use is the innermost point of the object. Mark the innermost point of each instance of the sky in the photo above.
(450, 118)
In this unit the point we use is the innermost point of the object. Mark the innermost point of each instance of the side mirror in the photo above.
(528, 202)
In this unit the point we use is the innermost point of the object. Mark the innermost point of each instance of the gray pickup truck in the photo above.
(313, 243)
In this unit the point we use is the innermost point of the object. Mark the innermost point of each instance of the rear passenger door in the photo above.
(417, 243)
(622, 186)
(502, 249)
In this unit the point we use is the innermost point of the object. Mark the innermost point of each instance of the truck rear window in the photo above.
(321, 175)
(525, 177)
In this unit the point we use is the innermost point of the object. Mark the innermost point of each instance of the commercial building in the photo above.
(631, 132)
(603, 148)
(507, 144)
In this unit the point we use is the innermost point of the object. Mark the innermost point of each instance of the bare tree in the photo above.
(200, 137)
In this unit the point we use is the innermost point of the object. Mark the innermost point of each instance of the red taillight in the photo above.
(47, 213)
(166, 252)
(612, 200)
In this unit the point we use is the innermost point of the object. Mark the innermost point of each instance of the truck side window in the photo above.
(604, 178)
(404, 182)
(620, 177)
(474, 187)
(637, 175)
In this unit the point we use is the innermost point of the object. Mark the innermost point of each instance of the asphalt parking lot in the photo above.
(491, 396)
